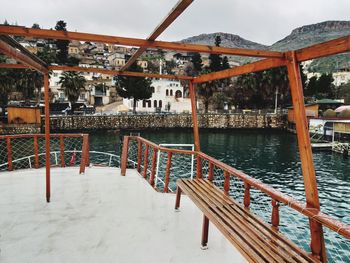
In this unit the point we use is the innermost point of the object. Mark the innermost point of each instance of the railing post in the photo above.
(307, 165)
(199, 167)
(47, 137)
(246, 201)
(84, 154)
(139, 155)
(62, 151)
(194, 116)
(167, 173)
(9, 154)
(226, 183)
(145, 162)
(275, 217)
(124, 157)
(87, 162)
(211, 172)
(36, 152)
(154, 164)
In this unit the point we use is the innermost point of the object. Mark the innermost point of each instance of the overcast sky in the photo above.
(263, 21)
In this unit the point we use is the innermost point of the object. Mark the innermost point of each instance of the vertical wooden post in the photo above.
(199, 167)
(9, 154)
(62, 151)
(87, 162)
(124, 157)
(310, 183)
(167, 173)
(36, 152)
(226, 182)
(154, 165)
(145, 162)
(194, 116)
(211, 172)
(84, 150)
(275, 217)
(139, 155)
(47, 136)
(246, 201)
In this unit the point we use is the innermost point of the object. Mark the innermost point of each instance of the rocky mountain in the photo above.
(300, 37)
(227, 40)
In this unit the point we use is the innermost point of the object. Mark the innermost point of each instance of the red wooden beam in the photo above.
(14, 66)
(240, 70)
(174, 13)
(14, 53)
(117, 72)
(124, 41)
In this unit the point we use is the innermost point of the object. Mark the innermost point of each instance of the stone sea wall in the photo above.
(158, 121)
(19, 129)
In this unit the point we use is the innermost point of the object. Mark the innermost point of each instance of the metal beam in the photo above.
(175, 12)
(20, 54)
(240, 70)
(117, 72)
(67, 35)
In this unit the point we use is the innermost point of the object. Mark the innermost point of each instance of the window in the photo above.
(144, 103)
(155, 103)
(178, 94)
(160, 104)
(167, 92)
(152, 89)
(149, 104)
(55, 74)
(171, 92)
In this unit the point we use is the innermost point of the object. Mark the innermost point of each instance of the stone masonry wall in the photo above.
(157, 121)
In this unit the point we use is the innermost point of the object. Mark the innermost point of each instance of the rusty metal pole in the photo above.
(194, 116)
(47, 136)
(307, 165)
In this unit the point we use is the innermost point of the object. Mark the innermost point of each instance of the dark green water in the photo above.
(270, 156)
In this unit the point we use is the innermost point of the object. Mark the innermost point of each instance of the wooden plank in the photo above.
(118, 72)
(21, 57)
(255, 220)
(124, 157)
(9, 154)
(167, 173)
(265, 244)
(154, 166)
(310, 183)
(68, 35)
(13, 66)
(145, 162)
(47, 137)
(240, 70)
(332, 47)
(194, 116)
(36, 152)
(166, 22)
(62, 151)
(247, 219)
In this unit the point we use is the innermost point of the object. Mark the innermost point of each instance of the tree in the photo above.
(320, 87)
(225, 64)
(36, 26)
(73, 83)
(215, 59)
(344, 92)
(62, 45)
(136, 88)
(197, 63)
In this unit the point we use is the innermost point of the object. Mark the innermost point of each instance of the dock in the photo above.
(322, 146)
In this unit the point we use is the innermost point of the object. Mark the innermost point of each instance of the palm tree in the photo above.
(73, 83)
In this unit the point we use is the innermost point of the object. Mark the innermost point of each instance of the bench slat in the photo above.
(252, 238)
(261, 226)
(255, 239)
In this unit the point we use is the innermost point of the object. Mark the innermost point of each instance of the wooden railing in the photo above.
(16, 148)
(229, 173)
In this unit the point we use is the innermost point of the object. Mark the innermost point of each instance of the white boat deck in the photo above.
(100, 217)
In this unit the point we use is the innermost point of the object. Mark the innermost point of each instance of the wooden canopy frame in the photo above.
(272, 59)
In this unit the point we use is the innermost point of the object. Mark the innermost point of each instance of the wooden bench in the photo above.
(256, 240)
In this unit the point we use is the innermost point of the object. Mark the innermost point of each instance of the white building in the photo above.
(168, 95)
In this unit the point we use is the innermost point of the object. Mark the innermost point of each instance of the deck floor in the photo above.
(100, 217)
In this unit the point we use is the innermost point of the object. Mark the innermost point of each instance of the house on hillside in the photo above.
(167, 96)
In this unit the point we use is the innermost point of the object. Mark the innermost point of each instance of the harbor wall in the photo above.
(158, 121)
(6, 129)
